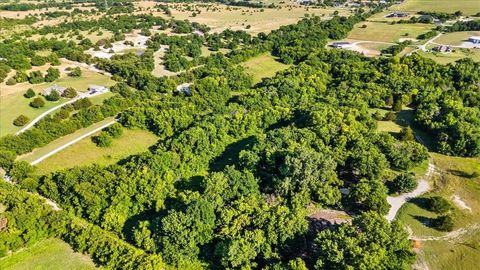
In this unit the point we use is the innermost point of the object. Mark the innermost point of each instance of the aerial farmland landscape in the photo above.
(240, 134)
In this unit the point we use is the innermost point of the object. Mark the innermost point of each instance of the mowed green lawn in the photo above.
(456, 38)
(263, 66)
(14, 104)
(85, 152)
(468, 7)
(456, 178)
(51, 254)
(446, 58)
(385, 32)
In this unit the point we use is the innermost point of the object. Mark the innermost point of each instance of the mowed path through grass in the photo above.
(51, 254)
(263, 66)
(85, 152)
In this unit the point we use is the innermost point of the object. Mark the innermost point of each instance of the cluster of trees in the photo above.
(105, 138)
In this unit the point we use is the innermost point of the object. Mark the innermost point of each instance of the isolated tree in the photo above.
(75, 72)
(444, 223)
(53, 96)
(406, 134)
(439, 205)
(403, 183)
(11, 81)
(103, 140)
(30, 93)
(35, 77)
(70, 92)
(52, 74)
(21, 120)
(38, 102)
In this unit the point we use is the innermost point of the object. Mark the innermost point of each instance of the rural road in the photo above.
(397, 202)
(34, 121)
(38, 160)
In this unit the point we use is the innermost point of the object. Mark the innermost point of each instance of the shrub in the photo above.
(11, 81)
(378, 116)
(406, 134)
(390, 116)
(102, 140)
(70, 92)
(82, 103)
(439, 205)
(21, 120)
(53, 96)
(30, 93)
(403, 183)
(76, 72)
(20, 170)
(20, 77)
(35, 77)
(52, 74)
(115, 130)
(443, 223)
(38, 102)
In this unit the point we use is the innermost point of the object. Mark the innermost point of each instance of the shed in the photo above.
(185, 89)
(96, 89)
(341, 44)
(474, 39)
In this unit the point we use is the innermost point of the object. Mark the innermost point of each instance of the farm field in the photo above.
(263, 66)
(384, 32)
(51, 254)
(85, 152)
(220, 17)
(468, 7)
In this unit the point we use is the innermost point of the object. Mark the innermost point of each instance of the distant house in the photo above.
(397, 14)
(198, 33)
(96, 89)
(57, 88)
(341, 44)
(474, 39)
(185, 89)
(443, 49)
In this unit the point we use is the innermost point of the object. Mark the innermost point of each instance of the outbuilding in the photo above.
(59, 89)
(474, 39)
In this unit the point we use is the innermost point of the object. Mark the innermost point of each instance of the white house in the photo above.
(97, 89)
(340, 44)
(57, 88)
(474, 39)
(185, 89)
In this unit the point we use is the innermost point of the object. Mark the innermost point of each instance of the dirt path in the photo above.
(397, 202)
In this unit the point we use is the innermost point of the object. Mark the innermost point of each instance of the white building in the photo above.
(59, 89)
(185, 89)
(97, 89)
(474, 39)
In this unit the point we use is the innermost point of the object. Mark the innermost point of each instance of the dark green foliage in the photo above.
(444, 223)
(21, 120)
(35, 77)
(102, 140)
(38, 102)
(115, 130)
(75, 72)
(439, 205)
(403, 183)
(11, 81)
(52, 74)
(20, 170)
(53, 96)
(406, 134)
(390, 116)
(82, 103)
(30, 93)
(70, 92)
(370, 242)
(6, 159)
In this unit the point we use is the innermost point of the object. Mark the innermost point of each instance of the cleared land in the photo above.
(456, 38)
(385, 32)
(220, 17)
(446, 58)
(263, 66)
(85, 152)
(13, 103)
(51, 254)
(456, 182)
(468, 7)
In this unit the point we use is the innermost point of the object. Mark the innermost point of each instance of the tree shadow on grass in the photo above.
(421, 202)
(426, 221)
(231, 154)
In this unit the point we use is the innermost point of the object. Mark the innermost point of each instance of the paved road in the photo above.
(34, 121)
(38, 160)
(397, 202)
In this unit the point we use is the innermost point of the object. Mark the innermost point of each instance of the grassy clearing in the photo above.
(220, 17)
(52, 254)
(446, 58)
(456, 38)
(455, 178)
(85, 152)
(385, 32)
(13, 103)
(468, 7)
(263, 66)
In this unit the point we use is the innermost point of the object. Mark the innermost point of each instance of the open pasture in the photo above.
(468, 7)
